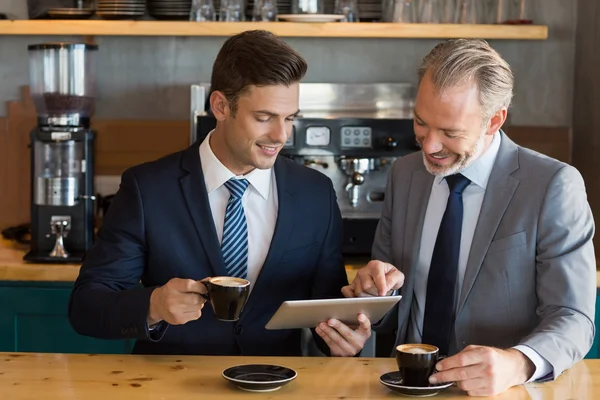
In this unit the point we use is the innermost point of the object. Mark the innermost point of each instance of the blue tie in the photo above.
(438, 320)
(234, 245)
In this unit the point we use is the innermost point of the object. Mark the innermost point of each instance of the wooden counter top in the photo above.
(13, 268)
(132, 377)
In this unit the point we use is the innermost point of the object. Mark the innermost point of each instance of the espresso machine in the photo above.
(62, 86)
(350, 132)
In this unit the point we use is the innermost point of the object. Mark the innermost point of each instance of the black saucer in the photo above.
(259, 377)
(393, 381)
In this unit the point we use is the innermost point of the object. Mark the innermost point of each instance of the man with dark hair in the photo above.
(168, 226)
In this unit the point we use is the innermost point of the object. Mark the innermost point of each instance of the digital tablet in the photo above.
(309, 313)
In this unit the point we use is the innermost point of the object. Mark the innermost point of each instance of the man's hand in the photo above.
(375, 279)
(342, 340)
(484, 371)
(177, 302)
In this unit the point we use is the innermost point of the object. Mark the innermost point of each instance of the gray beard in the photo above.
(460, 166)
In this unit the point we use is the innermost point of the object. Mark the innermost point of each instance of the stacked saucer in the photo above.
(170, 9)
(369, 10)
(121, 9)
(70, 13)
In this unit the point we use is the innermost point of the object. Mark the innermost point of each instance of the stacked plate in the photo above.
(170, 9)
(369, 10)
(121, 9)
(70, 13)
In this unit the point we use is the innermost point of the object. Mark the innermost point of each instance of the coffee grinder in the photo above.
(62, 86)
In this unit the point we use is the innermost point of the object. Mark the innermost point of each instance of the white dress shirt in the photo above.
(479, 173)
(259, 201)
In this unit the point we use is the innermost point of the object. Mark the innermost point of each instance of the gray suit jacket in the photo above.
(530, 277)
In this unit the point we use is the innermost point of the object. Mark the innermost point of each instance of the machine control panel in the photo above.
(356, 136)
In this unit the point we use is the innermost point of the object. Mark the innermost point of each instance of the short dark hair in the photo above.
(257, 58)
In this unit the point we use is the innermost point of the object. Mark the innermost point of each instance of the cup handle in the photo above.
(206, 296)
(439, 358)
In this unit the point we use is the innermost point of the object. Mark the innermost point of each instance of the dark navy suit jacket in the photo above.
(160, 226)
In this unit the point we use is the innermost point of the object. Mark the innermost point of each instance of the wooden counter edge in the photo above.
(280, 28)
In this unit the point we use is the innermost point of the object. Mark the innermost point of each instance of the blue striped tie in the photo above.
(234, 245)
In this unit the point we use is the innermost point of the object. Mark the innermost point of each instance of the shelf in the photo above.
(284, 29)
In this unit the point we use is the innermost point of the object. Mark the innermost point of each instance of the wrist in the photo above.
(523, 365)
(153, 317)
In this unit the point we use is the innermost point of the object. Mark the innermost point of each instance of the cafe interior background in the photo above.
(146, 107)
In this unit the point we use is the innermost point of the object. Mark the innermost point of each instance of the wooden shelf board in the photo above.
(284, 29)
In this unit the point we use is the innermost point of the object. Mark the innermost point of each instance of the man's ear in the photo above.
(219, 105)
(496, 121)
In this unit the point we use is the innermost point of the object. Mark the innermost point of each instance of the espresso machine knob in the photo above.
(358, 178)
(353, 187)
(390, 143)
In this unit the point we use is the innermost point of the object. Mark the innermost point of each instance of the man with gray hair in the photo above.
(489, 243)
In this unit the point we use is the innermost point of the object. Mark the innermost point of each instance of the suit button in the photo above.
(239, 330)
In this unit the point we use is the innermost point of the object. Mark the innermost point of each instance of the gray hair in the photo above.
(457, 61)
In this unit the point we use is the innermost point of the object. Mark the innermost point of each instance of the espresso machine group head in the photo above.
(356, 169)
(62, 80)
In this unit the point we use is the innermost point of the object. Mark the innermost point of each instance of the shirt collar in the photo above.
(216, 174)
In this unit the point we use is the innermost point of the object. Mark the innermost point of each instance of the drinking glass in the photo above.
(430, 11)
(232, 10)
(347, 8)
(264, 10)
(203, 10)
(308, 6)
(403, 11)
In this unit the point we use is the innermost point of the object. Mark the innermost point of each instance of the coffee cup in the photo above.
(227, 295)
(416, 363)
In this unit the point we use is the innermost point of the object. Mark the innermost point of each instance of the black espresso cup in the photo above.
(227, 295)
(416, 363)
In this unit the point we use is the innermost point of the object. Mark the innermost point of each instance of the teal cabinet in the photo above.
(33, 318)
(595, 350)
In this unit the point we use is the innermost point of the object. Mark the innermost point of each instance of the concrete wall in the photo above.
(149, 77)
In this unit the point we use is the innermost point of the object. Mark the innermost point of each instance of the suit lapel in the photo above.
(498, 194)
(196, 197)
(418, 198)
(282, 233)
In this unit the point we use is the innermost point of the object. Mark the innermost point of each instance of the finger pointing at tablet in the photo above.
(375, 279)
